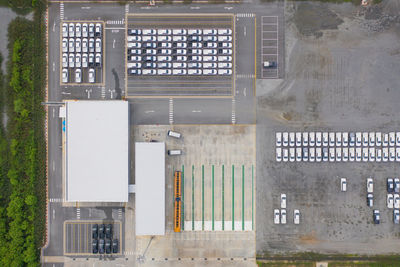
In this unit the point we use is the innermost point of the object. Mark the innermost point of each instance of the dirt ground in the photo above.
(342, 74)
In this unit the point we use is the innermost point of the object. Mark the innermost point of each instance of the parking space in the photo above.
(81, 238)
(82, 52)
(269, 47)
(169, 55)
(338, 147)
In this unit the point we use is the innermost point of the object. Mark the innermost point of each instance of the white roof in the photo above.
(150, 188)
(96, 151)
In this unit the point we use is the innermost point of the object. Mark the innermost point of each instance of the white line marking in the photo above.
(54, 112)
(54, 66)
(86, 7)
(194, 7)
(65, 93)
(114, 43)
(244, 91)
(54, 27)
(244, 31)
(54, 214)
(171, 111)
(149, 111)
(196, 111)
(228, 7)
(114, 28)
(54, 166)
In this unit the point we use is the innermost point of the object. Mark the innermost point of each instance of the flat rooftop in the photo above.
(96, 151)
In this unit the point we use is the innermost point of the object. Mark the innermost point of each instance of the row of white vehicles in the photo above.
(77, 29)
(84, 45)
(78, 60)
(338, 154)
(77, 75)
(338, 139)
(280, 215)
(179, 52)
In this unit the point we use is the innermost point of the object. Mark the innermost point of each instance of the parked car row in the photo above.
(179, 52)
(73, 29)
(102, 241)
(81, 52)
(338, 139)
(338, 154)
(77, 76)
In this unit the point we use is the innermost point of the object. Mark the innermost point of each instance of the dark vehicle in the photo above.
(95, 248)
(390, 185)
(149, 58)
(377, 217)
(101, 231)
(101, 246)
(134, 32)
(109, 231)
(115, 246)
(108, 246)
(149, 45)
(94, 231)
(194, 38)
(370, 200)
(133, 71)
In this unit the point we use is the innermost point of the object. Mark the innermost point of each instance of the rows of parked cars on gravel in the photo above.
(180, 51)
(81, 51)
(102, 239)
(337, 146)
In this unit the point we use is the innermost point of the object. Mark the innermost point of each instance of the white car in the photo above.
(338, 139)
(209, 71)
(372, 139)
(209, 58)
(372, 154)
(358, 139)
(149, 72)
(285, 155)
(91, 30)
(318, 138)
(91, 45)
(352, 139)
(378, 155)
(164, 38)
(332, 139)
(178, 65)
(385, 154)
(179, 71)
(358, 154)
(98, 45)
(132, 45)
(194, 32)
(396, 203)
(71, 60)
(312, 154)
(224, 38)
(71, 47)
(149, 38)
(338, 154)
(392, 154)
(78, 76)
(78, 30)
(91, 75)
(209, 51)
(65, 45)
(226, 65)
(365, 154)
(305, 138)
(370, 185)
(397, 153)
(164, 58)
(210, 38)
(398, 139)
(285, 138)
(311, 136)
(194, 65)
(84, 60)
(84, 30)
(276, 216)
(78, 46)
(180, 51)
(345, 139)
(71, 30)
(278, 154)
(180, 45)
(397, 185)
(224, 72)
(298, 154)
(164, 72)
(195, 51)
(283, 216)
(224, 58)
(283, 201)
(332, 154)
(84, 45)
(305, 153)
(97, 30)
(389, 201)
(365, 139)
(325, 139)
(78, 60)
(149, 32)
(164, 65)
(392, 139)
(210, 45)
(345, 154)
(65, 30)
(292, 139)
(194, 71)
(352, 154)
(195, 58)
(164, 32)
(165, 51)
(65, 60)
(292, 154)
(225, 51)
(179, 32)
(210, 32)
(135, 38)
(278, 138)
(179, 38)
(224, 31)
(385, 139)
(298, 139)
(165, 45)
(181, 58)
(196, 45)
(225, 45)
(296, 217)
(135, 65)
(343, 184)
(396, 216)
(378, 139)
(64, 75)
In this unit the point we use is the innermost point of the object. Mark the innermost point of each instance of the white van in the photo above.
(174, 134)
(174, 152)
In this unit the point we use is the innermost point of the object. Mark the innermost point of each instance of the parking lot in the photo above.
(165, 59)
(78, 237)
(82, 52)
(269, 46)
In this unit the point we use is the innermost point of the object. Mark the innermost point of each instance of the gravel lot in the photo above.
(342, 75)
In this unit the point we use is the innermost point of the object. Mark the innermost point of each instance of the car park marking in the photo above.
(61, 11)
(269, 22)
